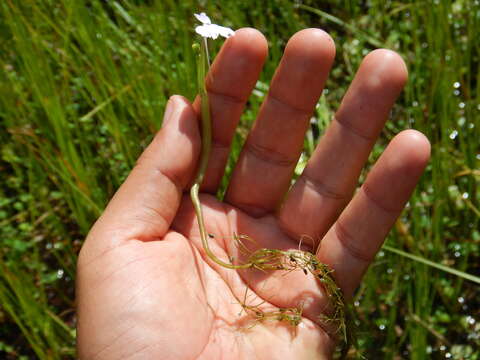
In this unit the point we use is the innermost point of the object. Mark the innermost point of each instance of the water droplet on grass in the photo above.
(465, 195)
(453, 134)
(60, 273)
(456, 84)
(461, 300)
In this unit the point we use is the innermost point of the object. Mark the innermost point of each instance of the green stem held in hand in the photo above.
(202, 67)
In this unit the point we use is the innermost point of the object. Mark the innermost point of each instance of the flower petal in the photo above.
(203, 18)
(207, 31)
(203, 30)
(224, 31)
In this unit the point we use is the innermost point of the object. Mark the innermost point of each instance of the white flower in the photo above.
(209, 30)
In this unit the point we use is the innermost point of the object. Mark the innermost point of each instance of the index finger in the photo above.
(229, 83)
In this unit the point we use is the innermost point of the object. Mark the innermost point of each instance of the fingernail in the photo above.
(169, 110)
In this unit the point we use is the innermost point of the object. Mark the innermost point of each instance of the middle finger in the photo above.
(326, 185)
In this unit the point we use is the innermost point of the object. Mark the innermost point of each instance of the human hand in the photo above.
(146, 289)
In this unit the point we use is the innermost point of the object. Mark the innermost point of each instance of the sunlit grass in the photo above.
(83, 85)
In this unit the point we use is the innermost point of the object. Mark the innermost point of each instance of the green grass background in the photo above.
(83, 86)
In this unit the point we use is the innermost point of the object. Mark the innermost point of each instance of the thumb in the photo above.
(145, 205)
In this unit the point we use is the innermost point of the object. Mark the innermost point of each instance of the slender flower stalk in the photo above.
(203, 63)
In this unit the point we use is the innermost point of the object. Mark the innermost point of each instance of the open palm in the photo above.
(146, 289)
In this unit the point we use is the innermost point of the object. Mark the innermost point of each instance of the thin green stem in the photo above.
(435, 265)
(205, 44)
(206, 123)
(202, 67)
